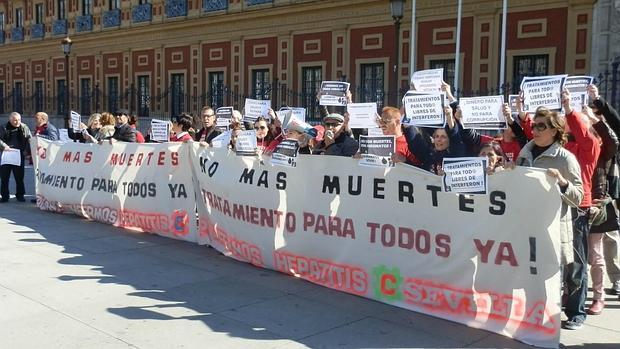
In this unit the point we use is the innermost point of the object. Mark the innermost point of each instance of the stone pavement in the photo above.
(69, 283)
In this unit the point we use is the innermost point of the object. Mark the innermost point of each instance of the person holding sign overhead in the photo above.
(14, 138)
(447, 143)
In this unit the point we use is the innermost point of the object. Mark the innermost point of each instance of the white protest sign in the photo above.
(298, 112)
(465, 175)
(577, 86)
(76, 120)
(160, 131)
(424, 110)
(222, 140)
(362, 115)
(482, 112)
(224, 116)
(375, 131)
(333, 93)
(377, 151)
(63, 135)
(246, 143)
(428, 80)
(542, 91)
(255, 108)
(285, 153)
(11, 157)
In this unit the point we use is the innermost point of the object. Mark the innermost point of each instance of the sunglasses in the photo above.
(383, 121)
(261, 127)
(540, 126)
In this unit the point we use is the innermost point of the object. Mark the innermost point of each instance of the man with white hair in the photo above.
(14, 136)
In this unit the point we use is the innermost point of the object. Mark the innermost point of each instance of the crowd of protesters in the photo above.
(579, 149)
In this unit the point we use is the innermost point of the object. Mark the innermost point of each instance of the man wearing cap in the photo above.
(337, 140)
(123, 131)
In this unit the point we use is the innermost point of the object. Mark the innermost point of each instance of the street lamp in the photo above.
(397, 9)
(66, 49)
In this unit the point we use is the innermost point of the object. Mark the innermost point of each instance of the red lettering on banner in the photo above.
(342, 277)
(259, 216)
(436, 297)
(504, 252)
(385, 278)
(239, 249)
(77, 157)
(143, 158)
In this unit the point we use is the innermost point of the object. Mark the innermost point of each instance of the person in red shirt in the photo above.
(180, 128)
(390, 124)
(586, 148)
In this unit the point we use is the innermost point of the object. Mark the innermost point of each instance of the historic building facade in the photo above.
(161, 57)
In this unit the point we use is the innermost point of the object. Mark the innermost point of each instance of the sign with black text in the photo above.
(428, 80)
(424, 110)
(255, 108)
(483, 112)
(465, 175)
(577, 86)
(542, 91)
(285, 153)
(224, 116)
(246, 143)
(362, 115)
(377, 151)
(160, 130)
(334, 93)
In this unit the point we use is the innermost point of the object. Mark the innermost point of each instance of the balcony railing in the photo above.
(214, 5)
(84, 23)
(37, 31)
(258, 2)
(176, 8)
(112, 18)
(141, 13)
(17, 34)
(59, 27)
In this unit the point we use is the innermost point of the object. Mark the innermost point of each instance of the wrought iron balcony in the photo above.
(141, 13)
(84, 23)
(214, 5)
(112, 18)
(17, 34)
(258, 2)
(176, 8)
(59, 27)
(37, 31)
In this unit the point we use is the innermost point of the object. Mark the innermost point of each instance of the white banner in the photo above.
(144, 187)
(366, 231)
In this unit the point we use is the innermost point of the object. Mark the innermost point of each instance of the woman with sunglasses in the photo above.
(268, 135)
(546, 150)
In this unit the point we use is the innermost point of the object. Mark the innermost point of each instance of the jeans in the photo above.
(576, 273)
(5, 175)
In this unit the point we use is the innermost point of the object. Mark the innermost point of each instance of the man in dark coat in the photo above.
(44, 128)
(123, 131)
(14, 136)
